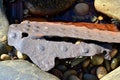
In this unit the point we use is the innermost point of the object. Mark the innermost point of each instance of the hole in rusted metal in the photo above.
(24, 34)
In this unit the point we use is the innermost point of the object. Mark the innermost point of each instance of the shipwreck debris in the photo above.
(29, 38)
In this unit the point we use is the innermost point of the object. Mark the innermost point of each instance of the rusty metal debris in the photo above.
(28, 38)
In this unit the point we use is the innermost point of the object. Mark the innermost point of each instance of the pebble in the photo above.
(100, 18)
(3, 48)
(113, 53)
(101, 71)
(77, 42)
(5, 57)
(97, 59)
(86, 63)
(3, 23)
(107, 65)
(93, 70)
(21, 56)
(68, 73)
(57, 73)
(73, 77)
(22, 70)
(3, 29)
(81, 8)
(77, 61)
(48, 7)
(89, 77)
(62, 68)
(114, 63)
(113, 75)
(80, 75)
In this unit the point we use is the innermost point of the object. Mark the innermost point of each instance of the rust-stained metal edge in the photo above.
(71, 30)
(27, 38)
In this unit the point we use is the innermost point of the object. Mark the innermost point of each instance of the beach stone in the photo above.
(73, 77)
(108, 7)
(89, 77)
(113, 75)
(47, 7)
(22, 70)
(5, 57)
(81, 8)
(101, 71)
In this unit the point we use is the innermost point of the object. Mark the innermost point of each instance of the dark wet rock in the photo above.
(107, 65)
(47, 7)
(73, 77)
(68, 73)
(22, 70)
(3, 23)
(81, 8)
(89, 77)
(57, 73)
(3, 29)
(3, 47)
(62, 68)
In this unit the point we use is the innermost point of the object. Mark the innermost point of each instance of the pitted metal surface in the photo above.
(28, 38)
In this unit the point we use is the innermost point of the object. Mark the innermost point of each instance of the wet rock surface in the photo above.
(114, 75)
(22, 70)
(101, 30)
(48, 7)
(110, 8)
(3, 29)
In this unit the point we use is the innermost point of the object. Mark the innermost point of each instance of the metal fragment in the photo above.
(43, 52)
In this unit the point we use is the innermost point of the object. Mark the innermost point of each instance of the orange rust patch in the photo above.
(108, 27)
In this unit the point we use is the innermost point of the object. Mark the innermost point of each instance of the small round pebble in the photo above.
(113, 53)
(97, 59)
(107, 65)
(62, 68)
(81, 8)
(73, 77)
(78, 42)
(89, 77)
(5, 57)
(114, 63)
(100, 18)
(101, 71)
(21, 56)
(68, 73)
(57, 73)
(86, 63)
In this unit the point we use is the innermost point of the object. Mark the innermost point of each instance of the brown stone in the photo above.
(114, 75)
(47, 7)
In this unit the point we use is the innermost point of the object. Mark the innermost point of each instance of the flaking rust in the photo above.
(27, 37)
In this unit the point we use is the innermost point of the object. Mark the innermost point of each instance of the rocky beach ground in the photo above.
(15, 65)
